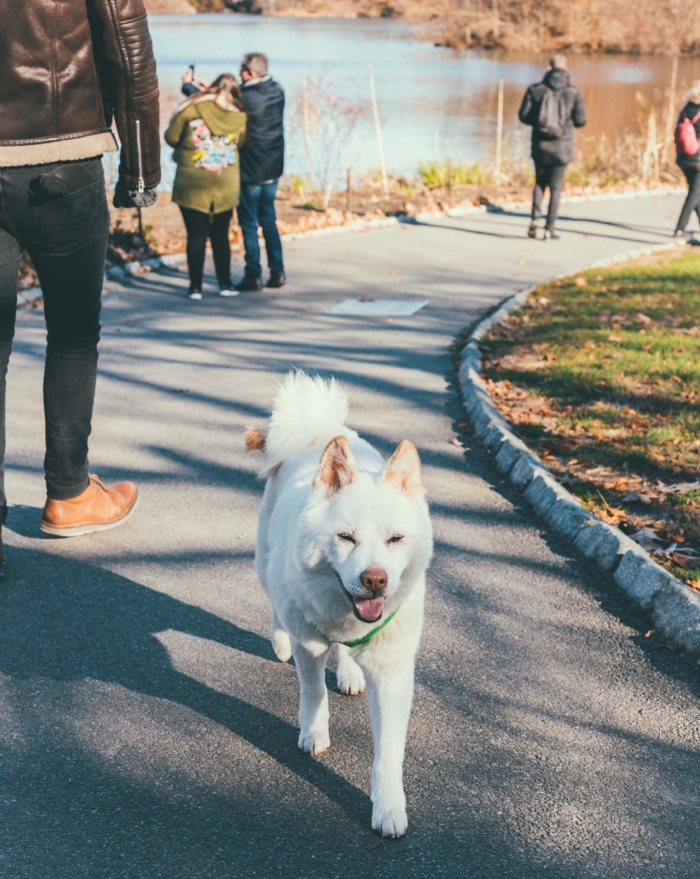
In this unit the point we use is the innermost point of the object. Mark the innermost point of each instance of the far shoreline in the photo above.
(431, 34)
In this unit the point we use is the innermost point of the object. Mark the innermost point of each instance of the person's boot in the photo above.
(248, 285)
(276, 281)
(532, 230)
(96, 509)
(550, 233)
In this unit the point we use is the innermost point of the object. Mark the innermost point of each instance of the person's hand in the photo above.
(202, 83)
(125, 197)
(188, 76)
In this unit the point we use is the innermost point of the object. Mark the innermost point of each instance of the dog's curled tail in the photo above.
(307, 412)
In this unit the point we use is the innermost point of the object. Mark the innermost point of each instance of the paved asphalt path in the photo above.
(146, 729)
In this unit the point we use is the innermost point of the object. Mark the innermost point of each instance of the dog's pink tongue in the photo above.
(370, 609)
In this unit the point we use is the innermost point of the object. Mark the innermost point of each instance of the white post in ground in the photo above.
(329, 192)
(671, 115)
(499, 133)
(378, 128)
(650, 158)
(307, 131)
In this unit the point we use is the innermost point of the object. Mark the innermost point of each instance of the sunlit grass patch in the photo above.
(601, 374)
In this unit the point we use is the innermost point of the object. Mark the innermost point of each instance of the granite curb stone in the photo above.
(675, 607)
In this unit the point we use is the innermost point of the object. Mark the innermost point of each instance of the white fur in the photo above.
(309, 574)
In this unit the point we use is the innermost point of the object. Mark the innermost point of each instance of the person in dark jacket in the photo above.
(553, 108)
(690, 164)
(262, 164)
(65, 77)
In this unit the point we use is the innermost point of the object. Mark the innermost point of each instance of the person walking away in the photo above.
(67, 70)
(688, 154)
(553, 108)
(262, 164)
(206, 132)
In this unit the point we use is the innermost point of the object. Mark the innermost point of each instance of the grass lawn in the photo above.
(600, 374)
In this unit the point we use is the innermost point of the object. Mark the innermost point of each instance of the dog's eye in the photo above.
(397, 538)
(348, 537)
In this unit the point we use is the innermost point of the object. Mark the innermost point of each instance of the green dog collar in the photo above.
(358, 642)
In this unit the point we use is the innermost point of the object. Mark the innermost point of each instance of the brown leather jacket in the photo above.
(67, 68)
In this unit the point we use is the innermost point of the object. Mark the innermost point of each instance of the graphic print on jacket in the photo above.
(212, 152)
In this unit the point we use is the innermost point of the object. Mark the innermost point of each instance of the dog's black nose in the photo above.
(374, 579)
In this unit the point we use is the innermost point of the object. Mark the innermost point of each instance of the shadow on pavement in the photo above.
(102, 627)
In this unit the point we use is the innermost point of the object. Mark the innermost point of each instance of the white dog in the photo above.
(344, 540)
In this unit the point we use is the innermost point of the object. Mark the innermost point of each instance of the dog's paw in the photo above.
(282, 645)
(351, 681)
(314, 741)
(391, 822)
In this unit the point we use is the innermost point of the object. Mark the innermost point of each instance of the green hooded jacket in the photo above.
(206, 139)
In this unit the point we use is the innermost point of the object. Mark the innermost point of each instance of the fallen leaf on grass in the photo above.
(687, 331)
(636, 497)
(694, 585)
(614, 338)
(650, 633)
(580, 282)
(648, 539)
(643, 318)
(680, 487)
(686, 558)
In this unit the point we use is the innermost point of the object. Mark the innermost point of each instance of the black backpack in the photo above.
(551, 119)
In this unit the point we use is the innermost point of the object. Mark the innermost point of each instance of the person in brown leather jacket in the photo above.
(67, 70)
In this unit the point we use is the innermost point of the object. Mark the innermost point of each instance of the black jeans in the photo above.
(65, 231)
(692, 200)
(552, 177)
(201, 226)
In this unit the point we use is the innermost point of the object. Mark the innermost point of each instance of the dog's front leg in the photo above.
(390, 693)
(313, 699)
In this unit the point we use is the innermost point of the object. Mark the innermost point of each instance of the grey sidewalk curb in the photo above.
(116, 273)
(675, 608)
(507, 206)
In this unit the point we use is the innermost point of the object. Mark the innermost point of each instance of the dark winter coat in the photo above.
(690, 162)
(262, 155)
(207, 140)
(560, 150)
(67, 69)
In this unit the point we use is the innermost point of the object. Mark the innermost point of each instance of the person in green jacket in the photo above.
(207, 131)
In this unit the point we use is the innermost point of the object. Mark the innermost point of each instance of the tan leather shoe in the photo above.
(96, 509)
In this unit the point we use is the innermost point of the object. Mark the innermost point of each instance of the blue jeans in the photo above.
(257, 208)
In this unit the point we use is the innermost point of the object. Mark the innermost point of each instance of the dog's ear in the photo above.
(403, 469)
(255, 440)
(337, 468)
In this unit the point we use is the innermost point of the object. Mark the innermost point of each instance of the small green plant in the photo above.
(435, 174)
(297, 184)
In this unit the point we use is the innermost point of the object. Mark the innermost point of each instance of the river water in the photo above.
(433, 102)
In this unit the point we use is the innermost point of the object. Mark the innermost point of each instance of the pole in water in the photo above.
(307, 131)
(348, 190)
(378, 128)
(499, 132)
